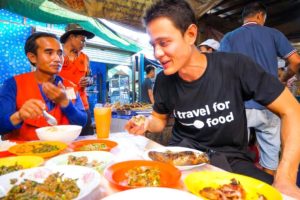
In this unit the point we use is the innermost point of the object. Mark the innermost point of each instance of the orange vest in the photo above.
(73, 71)
(29, 89)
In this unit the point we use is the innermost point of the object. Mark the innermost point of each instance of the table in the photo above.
(135, 146)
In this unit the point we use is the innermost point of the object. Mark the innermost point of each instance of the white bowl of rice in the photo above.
(62, 133)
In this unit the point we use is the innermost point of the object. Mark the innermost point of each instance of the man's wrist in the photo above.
(16, 118)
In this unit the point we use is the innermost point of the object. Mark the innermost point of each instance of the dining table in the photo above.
(132, 147)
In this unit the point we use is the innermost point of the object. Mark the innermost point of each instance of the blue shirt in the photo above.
(262, 44)
(74, 112)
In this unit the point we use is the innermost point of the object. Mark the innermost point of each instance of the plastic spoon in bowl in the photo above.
(49, 118)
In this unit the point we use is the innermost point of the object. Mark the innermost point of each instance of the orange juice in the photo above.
(102, 120)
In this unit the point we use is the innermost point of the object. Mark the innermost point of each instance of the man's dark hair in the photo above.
(149, 68)
(178, 11)
(31, 45)
(252, 9)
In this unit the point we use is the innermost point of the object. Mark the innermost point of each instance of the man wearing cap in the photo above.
(76, 64)
(263, 45)
(209, 46)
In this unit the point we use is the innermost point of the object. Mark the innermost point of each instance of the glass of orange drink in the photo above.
(102, 116)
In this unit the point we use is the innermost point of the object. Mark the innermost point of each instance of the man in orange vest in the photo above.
(24, 97)
(76, 65)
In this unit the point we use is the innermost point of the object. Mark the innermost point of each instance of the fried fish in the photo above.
(181, 158)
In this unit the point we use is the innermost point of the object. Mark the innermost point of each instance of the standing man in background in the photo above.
(76, 65)
(263, 45)
(147, 91)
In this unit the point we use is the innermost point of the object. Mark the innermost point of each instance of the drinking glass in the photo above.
(102, 116)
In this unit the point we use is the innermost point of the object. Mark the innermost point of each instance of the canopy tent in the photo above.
(49, 12)
(127, 12)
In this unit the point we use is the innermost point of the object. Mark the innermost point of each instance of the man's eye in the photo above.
(163, 43)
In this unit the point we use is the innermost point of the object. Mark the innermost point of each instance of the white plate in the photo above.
(88, 179)
(174, 149)
(151, 193)
(103, 157)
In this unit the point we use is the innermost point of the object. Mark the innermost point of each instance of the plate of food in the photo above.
(181, 157)
(142, 173)
(150, 193)
(44, 149)
(15, 163)
(218, 185)
(94, 159)
(57, 182)
(93, 145)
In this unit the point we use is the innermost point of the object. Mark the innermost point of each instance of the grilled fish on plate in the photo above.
(181, 157)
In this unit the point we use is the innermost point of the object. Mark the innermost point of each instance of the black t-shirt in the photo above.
(210, 110)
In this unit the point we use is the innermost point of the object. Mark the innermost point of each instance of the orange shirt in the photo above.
(27, 88)
(74, 70)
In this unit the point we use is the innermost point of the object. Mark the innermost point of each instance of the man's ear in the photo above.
(191, 34)
(261, 18)
(32, 57)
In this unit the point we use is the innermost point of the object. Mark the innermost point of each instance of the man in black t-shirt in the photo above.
(206, 94)
(146, 90)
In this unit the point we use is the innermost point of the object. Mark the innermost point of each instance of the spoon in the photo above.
(49, 118)
(197, 123)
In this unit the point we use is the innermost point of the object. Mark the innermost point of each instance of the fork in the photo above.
(49, 118)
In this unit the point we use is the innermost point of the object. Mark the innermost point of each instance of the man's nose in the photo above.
(59, 57)
(158, 52)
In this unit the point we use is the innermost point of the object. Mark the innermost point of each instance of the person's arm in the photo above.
(150, 94)
(292, 68)
(8, 116)
(287, 107)
(157, 122)
(86, 80)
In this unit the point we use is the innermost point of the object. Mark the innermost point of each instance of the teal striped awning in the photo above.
(48, 12)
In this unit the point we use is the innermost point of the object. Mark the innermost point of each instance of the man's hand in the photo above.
(137, 128)
(84, 81)
(288, 188)
(57, 94)
(31, 109)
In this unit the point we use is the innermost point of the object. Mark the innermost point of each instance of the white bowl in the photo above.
(62, 133)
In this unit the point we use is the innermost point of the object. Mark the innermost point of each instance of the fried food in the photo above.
(133, 106)
(181, 158)
(139, 119)
(232, 191)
